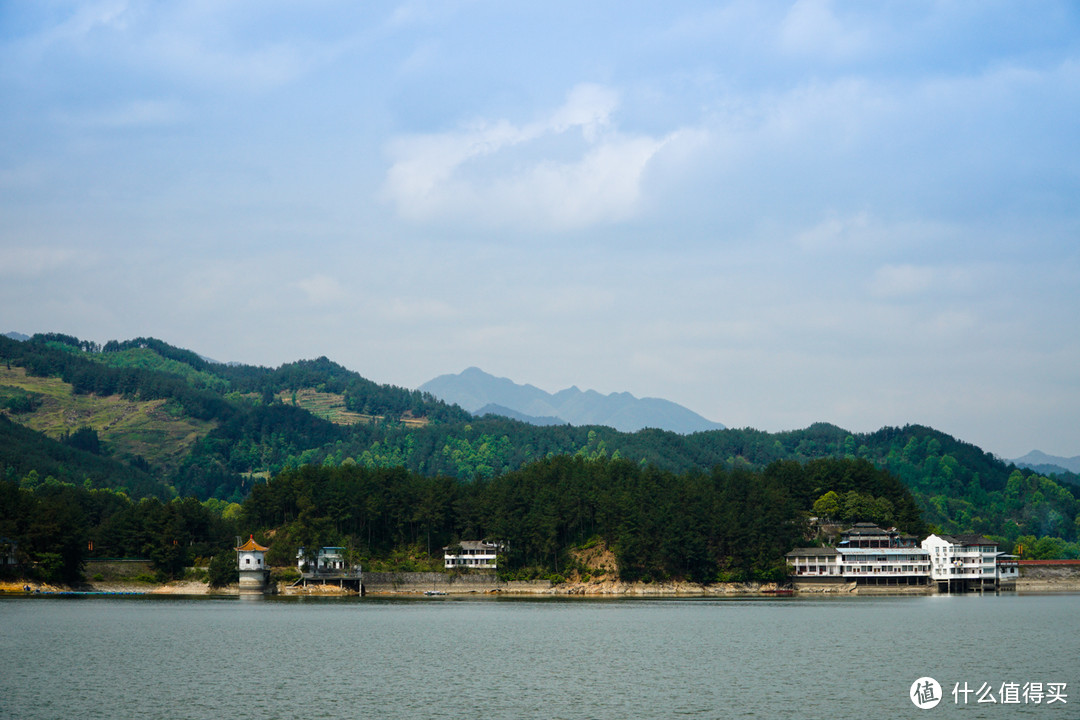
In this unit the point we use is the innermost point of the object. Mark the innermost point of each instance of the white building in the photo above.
(1008, 569)
(475, 554)
(866, 555)
(251, 562)
(885, 566)
(820, 563)
(327, 565)
(963, 562)
(327, 560)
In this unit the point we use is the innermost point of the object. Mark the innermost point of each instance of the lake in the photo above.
(286, 657)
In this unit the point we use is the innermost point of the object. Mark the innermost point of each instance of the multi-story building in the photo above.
(964, 562)
(865, 555)
(819, 564)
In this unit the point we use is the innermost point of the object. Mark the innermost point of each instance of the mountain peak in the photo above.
(479, 392)
(1037, 459)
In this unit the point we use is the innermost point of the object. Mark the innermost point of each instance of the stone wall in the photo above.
(1049, 578)
(376, 583)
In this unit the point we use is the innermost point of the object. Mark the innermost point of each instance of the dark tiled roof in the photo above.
(968, 539)
(865, 529)
(811, 552)
(475, 545)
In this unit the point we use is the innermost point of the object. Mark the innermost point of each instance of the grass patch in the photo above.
(331, 406)
(126, 427)
(147, 359)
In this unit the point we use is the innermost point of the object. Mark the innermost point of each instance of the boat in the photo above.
(434, 592)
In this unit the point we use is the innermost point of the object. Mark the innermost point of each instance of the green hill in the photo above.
(29, 456)
(215, 431)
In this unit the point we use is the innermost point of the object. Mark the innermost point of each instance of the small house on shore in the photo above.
(471, 554)
(328, 565)
(324, 560)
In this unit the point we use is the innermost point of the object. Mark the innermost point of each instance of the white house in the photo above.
(475, 554)
(962, 562)
(326, 560)
(328, 565)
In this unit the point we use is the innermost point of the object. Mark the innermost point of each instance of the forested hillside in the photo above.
(726, 525)
(168, 423)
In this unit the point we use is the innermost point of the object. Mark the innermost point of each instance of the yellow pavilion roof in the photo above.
(251, 546)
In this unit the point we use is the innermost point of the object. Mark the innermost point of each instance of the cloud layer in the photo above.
(772, 213)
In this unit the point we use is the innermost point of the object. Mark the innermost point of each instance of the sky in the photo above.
(774, 213)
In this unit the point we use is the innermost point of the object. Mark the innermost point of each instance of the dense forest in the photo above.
(250, 430)
(732, 525)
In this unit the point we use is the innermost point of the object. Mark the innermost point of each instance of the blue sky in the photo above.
(772, 213)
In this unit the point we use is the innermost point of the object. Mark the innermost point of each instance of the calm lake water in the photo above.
(153, 657)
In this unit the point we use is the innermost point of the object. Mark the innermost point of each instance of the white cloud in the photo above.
(207, 44)
(413, 310)
(322, 289)
(132, 114)
(903, 280)
(30, 261)
(812, 28)
(570, 169)
(910, 280)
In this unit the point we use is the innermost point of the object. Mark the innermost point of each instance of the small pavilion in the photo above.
(251, 562)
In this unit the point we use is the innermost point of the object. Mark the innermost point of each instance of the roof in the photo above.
(967, 539)
(252, 546)
(887, 551)
(865, 528)
(474, 545)
(811, 552)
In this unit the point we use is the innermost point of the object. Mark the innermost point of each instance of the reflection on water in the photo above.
(150, 657)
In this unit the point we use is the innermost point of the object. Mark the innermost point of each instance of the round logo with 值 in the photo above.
(925, 693)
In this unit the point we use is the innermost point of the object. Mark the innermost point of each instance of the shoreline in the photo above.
(607, 588)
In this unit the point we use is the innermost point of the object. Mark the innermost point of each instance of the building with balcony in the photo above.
(865, 555)
(328, 566)
(963, 562)
(820, 564)
(471, 554)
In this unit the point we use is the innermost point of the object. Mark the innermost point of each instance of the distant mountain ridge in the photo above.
(494, 409)
(1037, 460)
(480, 393)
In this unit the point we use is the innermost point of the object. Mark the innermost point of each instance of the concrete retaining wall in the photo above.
(1049, 578)
(449, 583)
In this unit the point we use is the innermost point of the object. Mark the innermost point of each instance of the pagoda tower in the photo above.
(251, 562)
